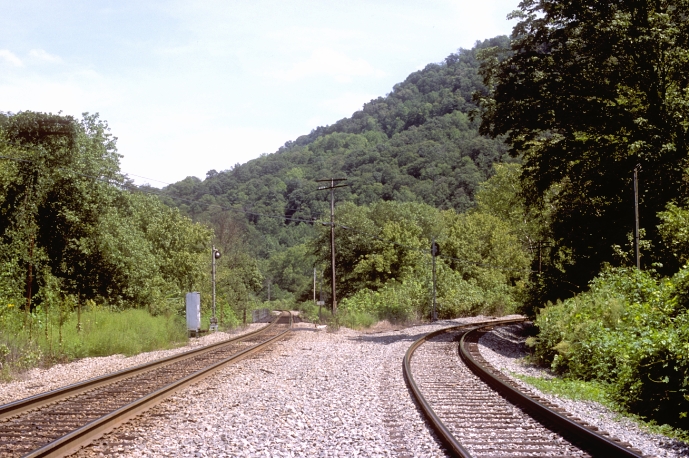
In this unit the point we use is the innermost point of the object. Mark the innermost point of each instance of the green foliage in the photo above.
(50, 334)
(128, 332)
(578, 390)
(69, 223)
(674, 229)
(154, 253)
(630, 331)
(53, 192)
(308, 311)
(395, 302)
(385, 267)
(349, 319)
(589, 91)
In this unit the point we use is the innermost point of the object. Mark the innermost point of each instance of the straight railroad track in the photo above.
(59, 422)
(478, 412)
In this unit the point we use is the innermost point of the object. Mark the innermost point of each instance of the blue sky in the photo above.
(189, 86)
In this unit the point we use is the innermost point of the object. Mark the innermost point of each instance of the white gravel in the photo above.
(318, 394)
(504, 349)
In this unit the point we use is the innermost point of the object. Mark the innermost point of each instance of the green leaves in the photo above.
(383, 251)
(629, 332)
(590, 91)
(66, 217)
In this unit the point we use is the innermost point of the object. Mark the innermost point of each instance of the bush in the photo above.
(630, 331)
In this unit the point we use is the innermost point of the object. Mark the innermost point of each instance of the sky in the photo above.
(193, 86)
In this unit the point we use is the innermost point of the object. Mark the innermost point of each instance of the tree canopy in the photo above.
(590, 91)
(416, 144)
(71, 226)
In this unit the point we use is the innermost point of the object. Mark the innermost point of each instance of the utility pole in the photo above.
(434, 252)
(332, 231)
(215, 254)
(320, 299)
(636, 215)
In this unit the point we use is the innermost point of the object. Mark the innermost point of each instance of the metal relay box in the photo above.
(193, 301)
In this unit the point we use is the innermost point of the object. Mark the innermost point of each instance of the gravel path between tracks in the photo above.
(318, 394)
(504, 349)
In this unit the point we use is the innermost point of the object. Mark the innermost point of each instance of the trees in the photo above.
(591, 90)
(151, 253)
(68, 225)
(384, 265)
(54, 189)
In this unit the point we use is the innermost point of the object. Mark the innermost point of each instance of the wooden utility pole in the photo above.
(636, 215)
(215, 254)
(332, 187)
(434, 252)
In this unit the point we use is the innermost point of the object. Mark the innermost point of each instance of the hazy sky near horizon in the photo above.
(190, 86)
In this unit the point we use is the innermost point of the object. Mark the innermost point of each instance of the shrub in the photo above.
(630, 331)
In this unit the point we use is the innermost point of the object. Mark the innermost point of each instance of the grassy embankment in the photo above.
(42, 339)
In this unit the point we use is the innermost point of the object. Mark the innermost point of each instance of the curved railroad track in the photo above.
(59, 422)
(477, 412)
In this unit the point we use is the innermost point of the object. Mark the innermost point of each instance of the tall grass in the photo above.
(42, 339)
(127, 332)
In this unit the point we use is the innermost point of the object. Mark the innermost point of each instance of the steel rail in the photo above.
(449, 441)
(85, 434)
(78, 438)
(594, 443)
(33, 402)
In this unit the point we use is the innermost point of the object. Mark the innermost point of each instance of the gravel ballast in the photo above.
(504, 349)
(318, 394)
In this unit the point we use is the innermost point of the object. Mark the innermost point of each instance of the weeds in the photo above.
(45, 338)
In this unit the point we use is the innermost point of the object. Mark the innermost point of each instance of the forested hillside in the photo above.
(416, 144)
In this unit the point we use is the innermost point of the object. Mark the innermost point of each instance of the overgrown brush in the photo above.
(411, 299)
(41, 339)
(630, 331)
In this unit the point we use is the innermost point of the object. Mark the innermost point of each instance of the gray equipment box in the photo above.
(193, 301)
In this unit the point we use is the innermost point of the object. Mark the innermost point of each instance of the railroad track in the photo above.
(60, 422)
(477, 412)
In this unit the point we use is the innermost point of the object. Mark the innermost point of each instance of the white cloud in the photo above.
(41, 54)
(326, 61)
(10, 58)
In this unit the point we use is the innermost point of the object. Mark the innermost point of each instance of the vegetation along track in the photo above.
(478, 412)
(61, 421)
